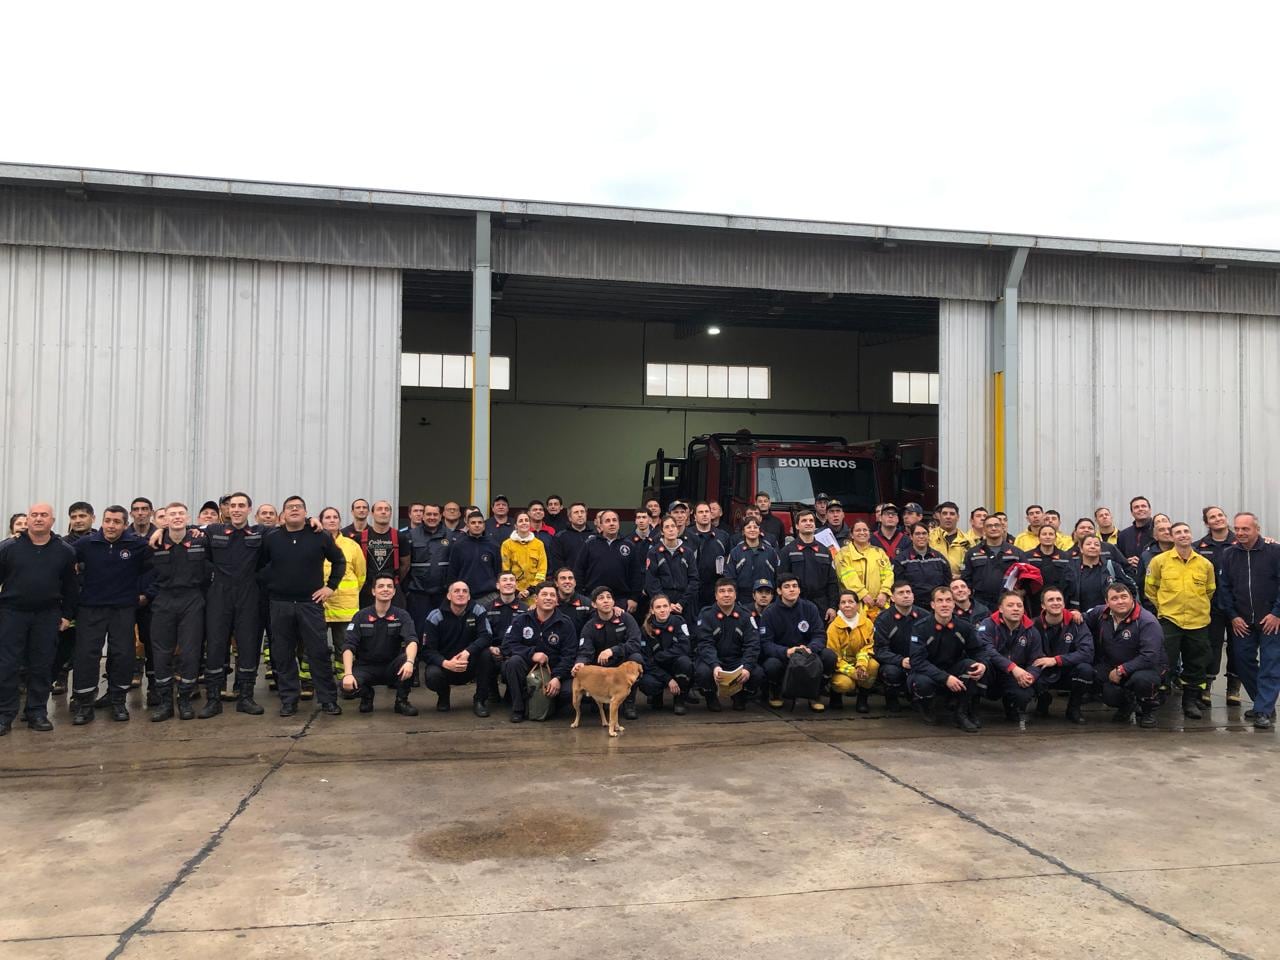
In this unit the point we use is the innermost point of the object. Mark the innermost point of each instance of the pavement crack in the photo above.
(1023, 845)
(207, 848)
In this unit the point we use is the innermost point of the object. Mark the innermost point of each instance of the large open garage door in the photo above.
(592, 377)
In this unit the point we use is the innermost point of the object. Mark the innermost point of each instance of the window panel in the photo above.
(677, 380)
(655, 379)
(455, 371)
(430, 369)
(697, 380)
(933, 388)
(758, 383)
(717, 381)
(500, 373)
(919, 388)
(901, 387)
(409, 363)
(738, 383)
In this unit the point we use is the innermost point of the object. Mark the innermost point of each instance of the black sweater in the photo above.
(38, 577)
(293, 563)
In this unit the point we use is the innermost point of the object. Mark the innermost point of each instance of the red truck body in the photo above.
(733, 467)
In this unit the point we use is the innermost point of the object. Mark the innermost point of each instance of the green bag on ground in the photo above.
(538, 706)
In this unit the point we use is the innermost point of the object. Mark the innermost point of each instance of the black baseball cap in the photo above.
(501, 497)
(208, 505)
(821, 496)
(677, 505)
(913, 507)
(835, 503)
(762, 584)
(888, 507)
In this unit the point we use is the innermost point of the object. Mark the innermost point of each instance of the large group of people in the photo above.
(777, 606)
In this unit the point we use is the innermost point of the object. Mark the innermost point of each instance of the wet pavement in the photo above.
(757, 833)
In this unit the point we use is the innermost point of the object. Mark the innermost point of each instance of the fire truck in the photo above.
(793, 470)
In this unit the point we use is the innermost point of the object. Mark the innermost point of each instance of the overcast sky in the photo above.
(1117, 120)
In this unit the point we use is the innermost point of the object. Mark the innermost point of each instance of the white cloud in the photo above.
(1132, 121)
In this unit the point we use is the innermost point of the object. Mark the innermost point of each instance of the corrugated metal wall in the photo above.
(1176, 406)
(294, 233)
(183, 377)
(966, 456)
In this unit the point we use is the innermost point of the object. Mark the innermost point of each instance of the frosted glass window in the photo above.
(915, 387)
(677, 380)
(738, 382)
(500, 373)
(408, 369)
(758, 383)
(430, 369)
(717, 381)
(455, 370)
(655, 384)
(697, 380)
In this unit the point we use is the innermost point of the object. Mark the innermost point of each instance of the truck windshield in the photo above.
(851, 480)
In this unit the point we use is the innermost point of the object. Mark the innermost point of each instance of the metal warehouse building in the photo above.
(181, 337)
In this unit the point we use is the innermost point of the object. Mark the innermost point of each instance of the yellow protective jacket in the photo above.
(852, 645)
(345, 602)
(954, 551)
(527, 559)
(867, 573)
(1182, 590)
(1028, 540)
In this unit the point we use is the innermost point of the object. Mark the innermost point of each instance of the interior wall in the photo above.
(577, 422)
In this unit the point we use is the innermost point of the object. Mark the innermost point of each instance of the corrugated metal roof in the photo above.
(115, 180)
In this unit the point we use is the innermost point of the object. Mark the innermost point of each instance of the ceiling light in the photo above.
(714, 331)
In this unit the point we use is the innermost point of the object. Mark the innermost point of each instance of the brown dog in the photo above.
(605, 684)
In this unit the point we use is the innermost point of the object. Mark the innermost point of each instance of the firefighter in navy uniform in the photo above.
(1015, 646)
(543, 636)
(711, 548)
(986, 565)
(609, 638)
(38, 597)
(380, 647)
(891, 645)
(672, 569)
(813, 564)
(233, 607)
(1054, 565)
(727, 639)
(456, 641)
(428, 544)
(1211, 546)
(790, 624)
(1129, 653)
(1067, 661)
(182, 566)
(947, 660)
(571, 603)
(608, 560)
(112, 562)
(667, 645)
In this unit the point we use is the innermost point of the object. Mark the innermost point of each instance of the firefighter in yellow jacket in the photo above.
(850, 635)
(524, 556)
(866, 570)
(343, 603)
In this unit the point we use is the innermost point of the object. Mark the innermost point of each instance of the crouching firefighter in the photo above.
(381, 647)
(608, 639)
(668, 654)
(1067, 661)
(1015, 645)
(947, 660)
(728, 641)
(1130, 655)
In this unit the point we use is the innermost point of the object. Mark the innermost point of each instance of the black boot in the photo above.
(478, 707)
(962, 718)
(713, 702)
(892, 703)
(1146, 716)
(1074, 714)
(407, 709)
(1191, 703)
(153, 693)
(366, 700)
(164, 703)
(1043, 700)
(212, 702)
(677, 706)
(739, 701)
(82, 709)
(1011, 712)
(119, 712)
(442, 700)
(629, 706)
(245, 702)
(103, 701)
(655, 702)
(924, 707)
(836, 701)
(860, 704)
(184, 703)
(1124, 714)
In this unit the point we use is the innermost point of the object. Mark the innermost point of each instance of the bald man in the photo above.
(38, 596)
